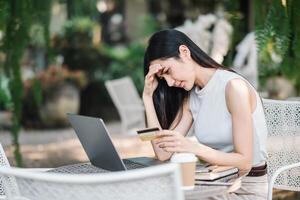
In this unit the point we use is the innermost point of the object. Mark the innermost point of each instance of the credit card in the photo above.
(148, 133)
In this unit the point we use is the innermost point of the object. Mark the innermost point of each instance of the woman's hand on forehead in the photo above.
(165, 69)
(155, 68)
(162, 72)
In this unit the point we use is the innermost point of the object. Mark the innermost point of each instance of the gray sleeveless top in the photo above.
(213, 122)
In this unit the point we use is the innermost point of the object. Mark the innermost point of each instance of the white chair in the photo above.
(159, 182)
(128, 103)
(293, 99)
(3, 163)
(283, 144)
(11, 181)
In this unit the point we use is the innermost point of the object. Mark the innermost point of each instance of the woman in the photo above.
(183, 85)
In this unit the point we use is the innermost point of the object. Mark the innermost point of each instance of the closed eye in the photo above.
(167, 71)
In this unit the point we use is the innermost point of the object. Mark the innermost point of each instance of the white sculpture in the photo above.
(212, 33)
(245, 61)
(216, 42)
(221, 37)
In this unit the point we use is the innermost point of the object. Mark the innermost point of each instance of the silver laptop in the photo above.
(99, 148)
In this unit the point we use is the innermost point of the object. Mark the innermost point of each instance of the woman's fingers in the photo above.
(161, 72)
(166, 139)
(153, 69)
(166, 133)
(173, 149)
(151, 82)
(165, 69)
(167, 136)
(150, 75)
(168, 144)
(181, 84)
(156, 67)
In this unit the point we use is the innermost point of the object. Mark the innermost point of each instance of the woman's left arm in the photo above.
(239, 104)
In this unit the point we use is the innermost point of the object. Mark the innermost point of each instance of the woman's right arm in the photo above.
(152, 121)
(182, 127)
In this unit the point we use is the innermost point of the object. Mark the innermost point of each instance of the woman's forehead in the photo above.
(163, 61)
(155, 62)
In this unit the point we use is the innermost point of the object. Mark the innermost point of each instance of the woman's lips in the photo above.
(180, 84)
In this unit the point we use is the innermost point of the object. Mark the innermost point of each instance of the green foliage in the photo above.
(147, 25)
(295, 46)
(37, 92)
(274, 36)
(5, 97)
(37, 36)
(77, 33)
(16, 19)
(292, 62)
(278, 41)
(77, 8)
(16, 36)
(41, 13)
(75, 44)
(3, 13)
(78, 24)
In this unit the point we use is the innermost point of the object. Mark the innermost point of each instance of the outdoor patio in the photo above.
(55, 148)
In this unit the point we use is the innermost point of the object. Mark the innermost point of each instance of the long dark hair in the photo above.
(168, 101)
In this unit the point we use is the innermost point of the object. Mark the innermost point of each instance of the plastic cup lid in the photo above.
(183, 157)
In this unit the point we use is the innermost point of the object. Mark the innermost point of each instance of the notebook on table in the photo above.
(213, 173)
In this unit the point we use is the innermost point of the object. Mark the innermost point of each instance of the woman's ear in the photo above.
(184, 52)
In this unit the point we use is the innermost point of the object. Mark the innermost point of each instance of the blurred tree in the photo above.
(75, 43)
(16, 18)
(106, 12)
(134, 8)
(173, 13)
(112, 20)
(237, 12)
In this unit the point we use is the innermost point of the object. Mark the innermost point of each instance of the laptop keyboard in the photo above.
(132, 165)
(82, 168)
(87, 168)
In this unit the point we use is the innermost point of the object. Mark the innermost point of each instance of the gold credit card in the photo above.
(148, 133)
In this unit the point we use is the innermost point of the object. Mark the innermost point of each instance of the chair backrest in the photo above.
(3, 163)
(11, 182)
(123, 91)
(283, 144)
(127, 100)
(159, 182)
(3, 158)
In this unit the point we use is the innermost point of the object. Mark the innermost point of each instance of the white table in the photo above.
(199, 192)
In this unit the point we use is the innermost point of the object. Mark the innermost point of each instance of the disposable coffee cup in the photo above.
(187, 162)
